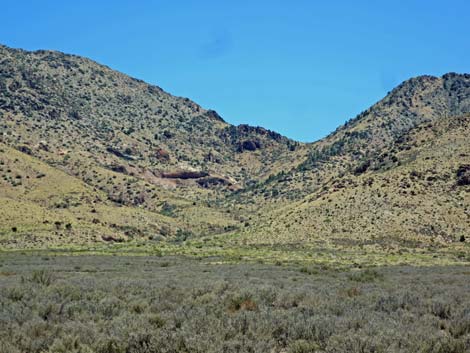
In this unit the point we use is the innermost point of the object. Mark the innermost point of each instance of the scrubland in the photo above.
(132, 304)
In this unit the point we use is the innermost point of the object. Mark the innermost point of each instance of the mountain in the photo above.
(88, 154)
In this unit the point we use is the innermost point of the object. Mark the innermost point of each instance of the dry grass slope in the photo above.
(411, 193)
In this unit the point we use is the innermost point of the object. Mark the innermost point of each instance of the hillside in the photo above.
(44, 205)
(90, 155)
(128, 144)
(415, 192)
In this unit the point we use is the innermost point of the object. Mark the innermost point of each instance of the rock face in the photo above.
(245, 138)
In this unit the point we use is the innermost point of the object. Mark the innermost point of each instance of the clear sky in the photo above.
(300, 67)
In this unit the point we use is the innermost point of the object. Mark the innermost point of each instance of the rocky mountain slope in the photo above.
(417, 191)
(89, 154)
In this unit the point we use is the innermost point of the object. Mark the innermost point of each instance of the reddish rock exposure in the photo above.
(162, 155)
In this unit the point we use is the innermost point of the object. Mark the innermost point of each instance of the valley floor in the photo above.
(90, 303)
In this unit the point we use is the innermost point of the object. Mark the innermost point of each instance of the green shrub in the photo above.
(42, 277)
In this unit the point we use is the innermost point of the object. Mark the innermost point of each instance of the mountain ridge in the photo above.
(145, 164)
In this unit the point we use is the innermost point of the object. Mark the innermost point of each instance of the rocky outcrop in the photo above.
(212, 114)
(185, 174)
(249, 145)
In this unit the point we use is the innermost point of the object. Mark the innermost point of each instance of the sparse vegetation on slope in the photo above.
(90, 155)
(414, 191)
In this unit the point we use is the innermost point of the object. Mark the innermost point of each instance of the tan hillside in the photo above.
(417, 191)
(42, 205)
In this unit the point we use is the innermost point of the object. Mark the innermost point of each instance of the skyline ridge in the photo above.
(312, 141)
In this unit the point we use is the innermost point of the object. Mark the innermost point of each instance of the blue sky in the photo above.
(299, 67)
